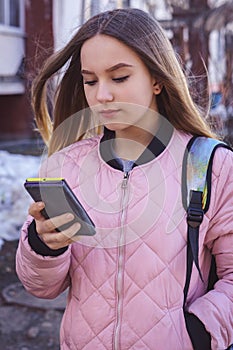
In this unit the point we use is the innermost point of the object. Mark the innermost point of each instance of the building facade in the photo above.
(26, 37)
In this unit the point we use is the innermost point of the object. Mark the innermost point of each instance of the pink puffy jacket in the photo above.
(126, 282)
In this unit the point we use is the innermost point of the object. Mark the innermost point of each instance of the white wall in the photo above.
(12, 52)
(217, 63)
(67, 17)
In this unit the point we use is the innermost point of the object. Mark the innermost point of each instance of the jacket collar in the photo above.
(153, 150)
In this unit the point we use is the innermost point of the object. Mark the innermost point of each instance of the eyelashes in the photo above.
(121, 79)
(116, 80)
(90, 82)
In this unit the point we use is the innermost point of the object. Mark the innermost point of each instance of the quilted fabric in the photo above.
(126, 282)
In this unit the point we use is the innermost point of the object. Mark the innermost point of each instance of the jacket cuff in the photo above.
(39, 246)
(198, 334)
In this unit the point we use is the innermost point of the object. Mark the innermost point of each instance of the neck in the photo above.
(131, 145)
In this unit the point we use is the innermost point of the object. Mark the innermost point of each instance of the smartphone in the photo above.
(59, 199)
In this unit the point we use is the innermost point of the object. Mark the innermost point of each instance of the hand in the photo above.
(46, 228)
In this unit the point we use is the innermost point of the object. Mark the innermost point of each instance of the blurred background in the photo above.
(201, 32)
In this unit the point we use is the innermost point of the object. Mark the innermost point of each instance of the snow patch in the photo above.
(14, 200)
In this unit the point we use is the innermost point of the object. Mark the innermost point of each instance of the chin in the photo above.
(116, 126)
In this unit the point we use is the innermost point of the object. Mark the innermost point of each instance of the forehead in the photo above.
(106, 51)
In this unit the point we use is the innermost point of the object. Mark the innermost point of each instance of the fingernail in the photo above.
(69, 216)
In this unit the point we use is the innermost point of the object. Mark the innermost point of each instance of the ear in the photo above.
(157, 88)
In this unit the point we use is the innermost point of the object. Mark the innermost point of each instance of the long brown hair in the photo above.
(145, 36)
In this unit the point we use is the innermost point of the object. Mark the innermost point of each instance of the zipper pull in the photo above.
(125, 180)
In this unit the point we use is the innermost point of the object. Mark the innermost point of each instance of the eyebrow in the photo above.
(111, 69)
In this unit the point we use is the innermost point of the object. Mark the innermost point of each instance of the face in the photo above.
(118, 86)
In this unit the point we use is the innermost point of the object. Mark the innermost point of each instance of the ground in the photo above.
(24, 327)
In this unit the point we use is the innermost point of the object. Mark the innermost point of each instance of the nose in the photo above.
(104, 93)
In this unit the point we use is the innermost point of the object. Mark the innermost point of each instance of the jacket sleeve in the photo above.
(43, 276)
(215, 309)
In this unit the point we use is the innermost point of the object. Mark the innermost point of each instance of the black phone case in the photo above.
(59, 199)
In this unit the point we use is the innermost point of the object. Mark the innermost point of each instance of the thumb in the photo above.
(35, 210)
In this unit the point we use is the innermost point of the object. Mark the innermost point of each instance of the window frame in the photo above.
(6, 27)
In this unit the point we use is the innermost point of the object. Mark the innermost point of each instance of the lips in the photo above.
(109, 113)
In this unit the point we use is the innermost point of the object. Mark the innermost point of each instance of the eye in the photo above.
(121, 79)
(90, 82)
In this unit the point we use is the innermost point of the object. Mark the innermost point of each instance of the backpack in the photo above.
(196, 192)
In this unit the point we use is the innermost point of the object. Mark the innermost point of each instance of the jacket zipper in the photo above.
(119, 280)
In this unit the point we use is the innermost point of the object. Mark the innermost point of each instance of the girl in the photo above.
(122, 119)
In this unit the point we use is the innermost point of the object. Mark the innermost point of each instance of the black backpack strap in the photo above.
(195, 216)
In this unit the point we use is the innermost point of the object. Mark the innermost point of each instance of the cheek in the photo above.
(140, 94)
(89, 95)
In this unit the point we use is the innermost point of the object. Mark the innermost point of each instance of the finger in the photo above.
(60, 239)
(57, 221)
(66, 236)
(35, 210)
(72, 232)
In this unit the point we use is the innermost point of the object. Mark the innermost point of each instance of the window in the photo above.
(10, 13)
(12, 44)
